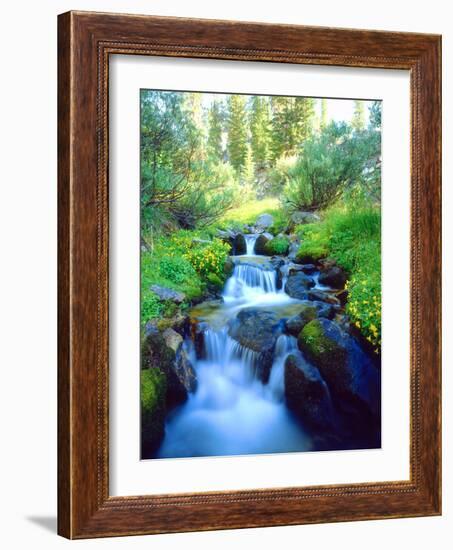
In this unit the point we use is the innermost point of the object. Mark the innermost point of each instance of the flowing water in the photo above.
(232, 412)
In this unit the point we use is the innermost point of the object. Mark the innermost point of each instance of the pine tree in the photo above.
(248, 172)
(215, 118)
(292, 124)
(237, 132)
(260, 131)
(323, 122)
(358, 118)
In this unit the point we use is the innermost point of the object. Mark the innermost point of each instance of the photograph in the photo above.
(260, 240)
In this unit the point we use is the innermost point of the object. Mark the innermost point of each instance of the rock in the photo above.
(334, 277)
(342, 295)
(261, 241)
(164, 351)
(169, 294)
(325, 346)
(298, 285)
(322, 296)
(325, 309)
(308, 268)
(307, 394)
(257, 330)
(299, 218)
(239, 245)
(296, 323)
(263, 222)
(349, 373)
(228, 267)
(201, 241)
(293, 249)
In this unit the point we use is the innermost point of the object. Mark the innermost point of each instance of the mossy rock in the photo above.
(310, 253)
(296, 323)
(277, 246)
(153, 391)
(324, 345)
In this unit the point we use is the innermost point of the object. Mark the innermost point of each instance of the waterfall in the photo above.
(284, 346)
(250, 244)
(249, 280)
(232, 412)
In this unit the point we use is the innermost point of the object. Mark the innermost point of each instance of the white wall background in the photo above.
(28, 270)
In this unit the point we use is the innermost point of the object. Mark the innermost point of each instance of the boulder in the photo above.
(308, 268)
(261, 241)
(323, 343)
(293, 249)
(334, 277)
(257, 330)
(322, 296)
(353, 379)
(239, 245)
(298, 285)
(299, 218)
(165, 351)
(164, 294)
(307, 394)
(263, 222)
(297, 322)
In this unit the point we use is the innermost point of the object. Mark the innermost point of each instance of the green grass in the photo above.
(181, 263)
(249, 211)
(353, 238)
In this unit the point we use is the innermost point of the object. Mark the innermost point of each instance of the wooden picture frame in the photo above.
(85, 42)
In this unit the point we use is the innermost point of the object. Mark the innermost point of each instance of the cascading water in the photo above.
(232, 412)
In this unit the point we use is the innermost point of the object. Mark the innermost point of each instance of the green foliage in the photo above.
(237, 132)
(330, 163)
(151, 306)
(278, 245)
(358, 118)
(209, 258)
(260, 129)
(292, 121)
(353, 238)
(216, 122)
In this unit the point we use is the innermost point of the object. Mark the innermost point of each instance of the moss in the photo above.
(278, 245)
(313, 339)
(309, 253)
(153, 389)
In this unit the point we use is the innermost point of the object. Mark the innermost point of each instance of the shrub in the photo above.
(209, 258)
(278, 245)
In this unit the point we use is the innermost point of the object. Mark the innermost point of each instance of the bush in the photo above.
(329, 163)
(278, 245)
(209, 259)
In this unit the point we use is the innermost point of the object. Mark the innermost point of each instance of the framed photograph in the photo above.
(249, 275)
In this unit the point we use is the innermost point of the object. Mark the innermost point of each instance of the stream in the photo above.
(232, 412)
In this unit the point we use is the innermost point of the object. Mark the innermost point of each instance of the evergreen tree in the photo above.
(215, 118)
(248, 172)
(375, 115)
(358, 118)
(323, 122)
(260, 131)
(292, 124)
(237, 132)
